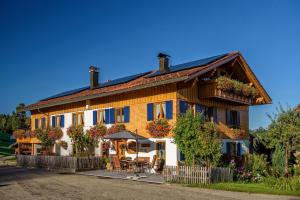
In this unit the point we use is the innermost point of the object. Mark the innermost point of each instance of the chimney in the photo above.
(163, 62)
(94, 76)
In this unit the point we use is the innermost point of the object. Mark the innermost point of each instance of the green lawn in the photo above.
(247, 187)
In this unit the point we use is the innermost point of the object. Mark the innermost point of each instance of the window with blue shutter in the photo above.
(183, 106)
(112, 116)
(53, 121)
(215, 115)
(107, 119)
(228, 148)
(62, 121)
(126, 114)
(94, 117)
(43, 122)
(169, 109)
(149, 111)
(36, 123)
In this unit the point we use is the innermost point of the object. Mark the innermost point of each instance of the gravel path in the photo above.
(18, 183)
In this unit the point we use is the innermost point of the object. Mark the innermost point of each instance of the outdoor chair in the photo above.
(149, 167)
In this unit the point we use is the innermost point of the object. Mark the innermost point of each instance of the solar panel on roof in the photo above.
(188, 65)
(102, 85)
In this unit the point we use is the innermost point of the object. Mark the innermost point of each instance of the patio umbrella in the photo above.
(126, 135)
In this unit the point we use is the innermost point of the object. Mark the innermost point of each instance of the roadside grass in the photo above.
(247, 187)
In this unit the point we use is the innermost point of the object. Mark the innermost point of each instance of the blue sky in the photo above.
(46, 47)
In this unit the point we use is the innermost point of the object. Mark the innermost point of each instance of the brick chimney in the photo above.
(163, 62)
(94, 76)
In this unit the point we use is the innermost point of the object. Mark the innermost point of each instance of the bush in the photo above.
(278, 162)
(254, 169)
(286, 184)
(97, 131)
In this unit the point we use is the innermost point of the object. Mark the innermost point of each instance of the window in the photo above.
(119, 115)
(43, 123)
(101, 117)
(77, 119)
(233, 149)
(159, 111)
(209, 114)
(233, 118)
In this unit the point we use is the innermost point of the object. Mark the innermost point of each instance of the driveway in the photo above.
(19, 183)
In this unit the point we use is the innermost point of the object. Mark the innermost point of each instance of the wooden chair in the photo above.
(116, 162)
(150, 166)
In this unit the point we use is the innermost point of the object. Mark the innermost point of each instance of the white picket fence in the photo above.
(196, 174)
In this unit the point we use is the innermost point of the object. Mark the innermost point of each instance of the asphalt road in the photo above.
(18, 183)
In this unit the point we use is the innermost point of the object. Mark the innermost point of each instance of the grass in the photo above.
(248, 187)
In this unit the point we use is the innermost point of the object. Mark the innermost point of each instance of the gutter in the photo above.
(83, 98)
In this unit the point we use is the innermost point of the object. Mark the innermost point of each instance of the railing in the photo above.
(209, 90)
(60, 162)
(196, 174)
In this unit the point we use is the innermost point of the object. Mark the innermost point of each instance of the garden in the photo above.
(273, 167)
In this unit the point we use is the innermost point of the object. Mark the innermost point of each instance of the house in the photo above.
(163, 93)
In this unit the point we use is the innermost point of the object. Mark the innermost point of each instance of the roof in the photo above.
(298, 107)
(181, 72)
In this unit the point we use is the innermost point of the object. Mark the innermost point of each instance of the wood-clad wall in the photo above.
(137, 100)
(190, 92)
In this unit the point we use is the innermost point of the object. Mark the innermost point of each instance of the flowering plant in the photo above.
(97, 131)
(105, 145)
(20, 133)
(227, 84)
(116, 128)
(55, 133)
(158, 128)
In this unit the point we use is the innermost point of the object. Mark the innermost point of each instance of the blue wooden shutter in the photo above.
(169, 109)
(228, 148)
(36, 123)
(183, 106)
(94, 117)
(149, 111)
(238, 119)
(53, 121)
(62, 121)
(215, 115)
(107, 119)
(199, 108)
(228, 117)
(126, 114)
(43, 122)
(112, 116)
(238, 151)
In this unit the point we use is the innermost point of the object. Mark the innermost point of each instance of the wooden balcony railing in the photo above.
(209, 90)
(28, 140)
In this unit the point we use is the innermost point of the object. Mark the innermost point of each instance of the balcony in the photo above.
(28, 140)
(233, 133)
(213, 89)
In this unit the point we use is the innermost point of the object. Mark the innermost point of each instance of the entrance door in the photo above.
(121, 146)
(161, 150)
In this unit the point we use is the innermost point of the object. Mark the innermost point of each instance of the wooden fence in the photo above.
(196, 174)
(60, 162)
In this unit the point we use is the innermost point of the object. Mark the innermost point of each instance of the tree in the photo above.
(284, 130)
(198, 140)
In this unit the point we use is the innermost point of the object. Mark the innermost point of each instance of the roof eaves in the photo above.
(83, 98)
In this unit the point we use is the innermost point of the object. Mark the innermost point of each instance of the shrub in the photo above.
(255, 168)
(278, 162)
(158, 128)
(116, 128)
